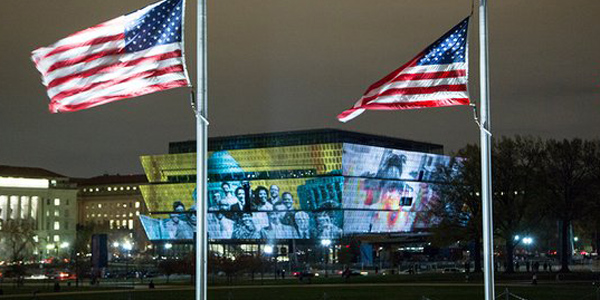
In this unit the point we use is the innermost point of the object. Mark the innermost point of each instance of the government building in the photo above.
(291, 192)
(38, 213)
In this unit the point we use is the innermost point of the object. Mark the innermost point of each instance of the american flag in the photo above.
(132, 55)
(435, 77)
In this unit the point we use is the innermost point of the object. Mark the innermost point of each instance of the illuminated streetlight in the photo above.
(576, 239)
(268, 249)
(517, 237)
(326, 243)
(527, 240)
(127, 246)
(116, 244)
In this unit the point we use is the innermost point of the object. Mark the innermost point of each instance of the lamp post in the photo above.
(326, 243)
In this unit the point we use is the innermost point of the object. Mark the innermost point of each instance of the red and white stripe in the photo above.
(91, 67)
(412, 86)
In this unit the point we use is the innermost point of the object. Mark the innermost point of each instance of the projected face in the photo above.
(226, 188)
(274, 191)
(277, 214)
(302, 220)
(288, 200)
(323, 221)
(240, 195)
(262, 196)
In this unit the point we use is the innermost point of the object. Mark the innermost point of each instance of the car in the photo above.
(302, 274)
(453, 270)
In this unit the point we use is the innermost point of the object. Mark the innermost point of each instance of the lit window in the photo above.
(47, 213)
(36, 238)
(135, 188)
(137, 213)
(130, 224)
(128, 188)
(56, 202)
(109, 189)
(137, 204)
(57, 238)
(112, 224)
(56, 225)
(97, 189)
(56, 213)
(121, 188)
(93, 215)
(99, 205)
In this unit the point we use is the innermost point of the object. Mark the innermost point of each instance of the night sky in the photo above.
(279, 65)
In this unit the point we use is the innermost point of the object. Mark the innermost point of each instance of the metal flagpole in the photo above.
(201, 147)
(486, 141)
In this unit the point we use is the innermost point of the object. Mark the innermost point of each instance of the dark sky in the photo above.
(278, 65)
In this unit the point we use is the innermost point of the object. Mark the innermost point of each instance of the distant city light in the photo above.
(268, 249)
(325, 243)
(24, 182)
(116, 244)
(50, 246)
(168, 246)
(127, 246)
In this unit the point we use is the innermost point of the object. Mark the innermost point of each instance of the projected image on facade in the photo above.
(306, 192)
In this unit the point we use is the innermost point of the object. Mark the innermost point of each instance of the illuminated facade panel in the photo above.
(324, 190)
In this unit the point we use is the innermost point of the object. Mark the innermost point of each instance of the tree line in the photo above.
(539, 187)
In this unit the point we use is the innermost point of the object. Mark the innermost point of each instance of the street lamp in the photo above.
(326, 243)
(268, 249)
(527, 240)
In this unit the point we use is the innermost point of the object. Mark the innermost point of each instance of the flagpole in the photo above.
(201, 150)
(486, 141)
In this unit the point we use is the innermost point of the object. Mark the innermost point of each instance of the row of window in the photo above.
(137, 213)
(110, 189)
(113, 205)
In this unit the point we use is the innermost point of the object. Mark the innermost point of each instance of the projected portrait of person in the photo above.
(245, 229)
(240, 196)
(302, 222)
(288, 200)
(220, 226)
(276, 229)
(229, 198)
(326, 229)
(274, 194)
(261, 196)
(177, 226)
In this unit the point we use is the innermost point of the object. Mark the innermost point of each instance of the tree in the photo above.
(569, 183)
(515, 165)
(458, 211)
(17, 243)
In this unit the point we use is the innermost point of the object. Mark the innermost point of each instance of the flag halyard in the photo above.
(437, 76)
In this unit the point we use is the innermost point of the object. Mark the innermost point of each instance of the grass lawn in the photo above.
(545, 291)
